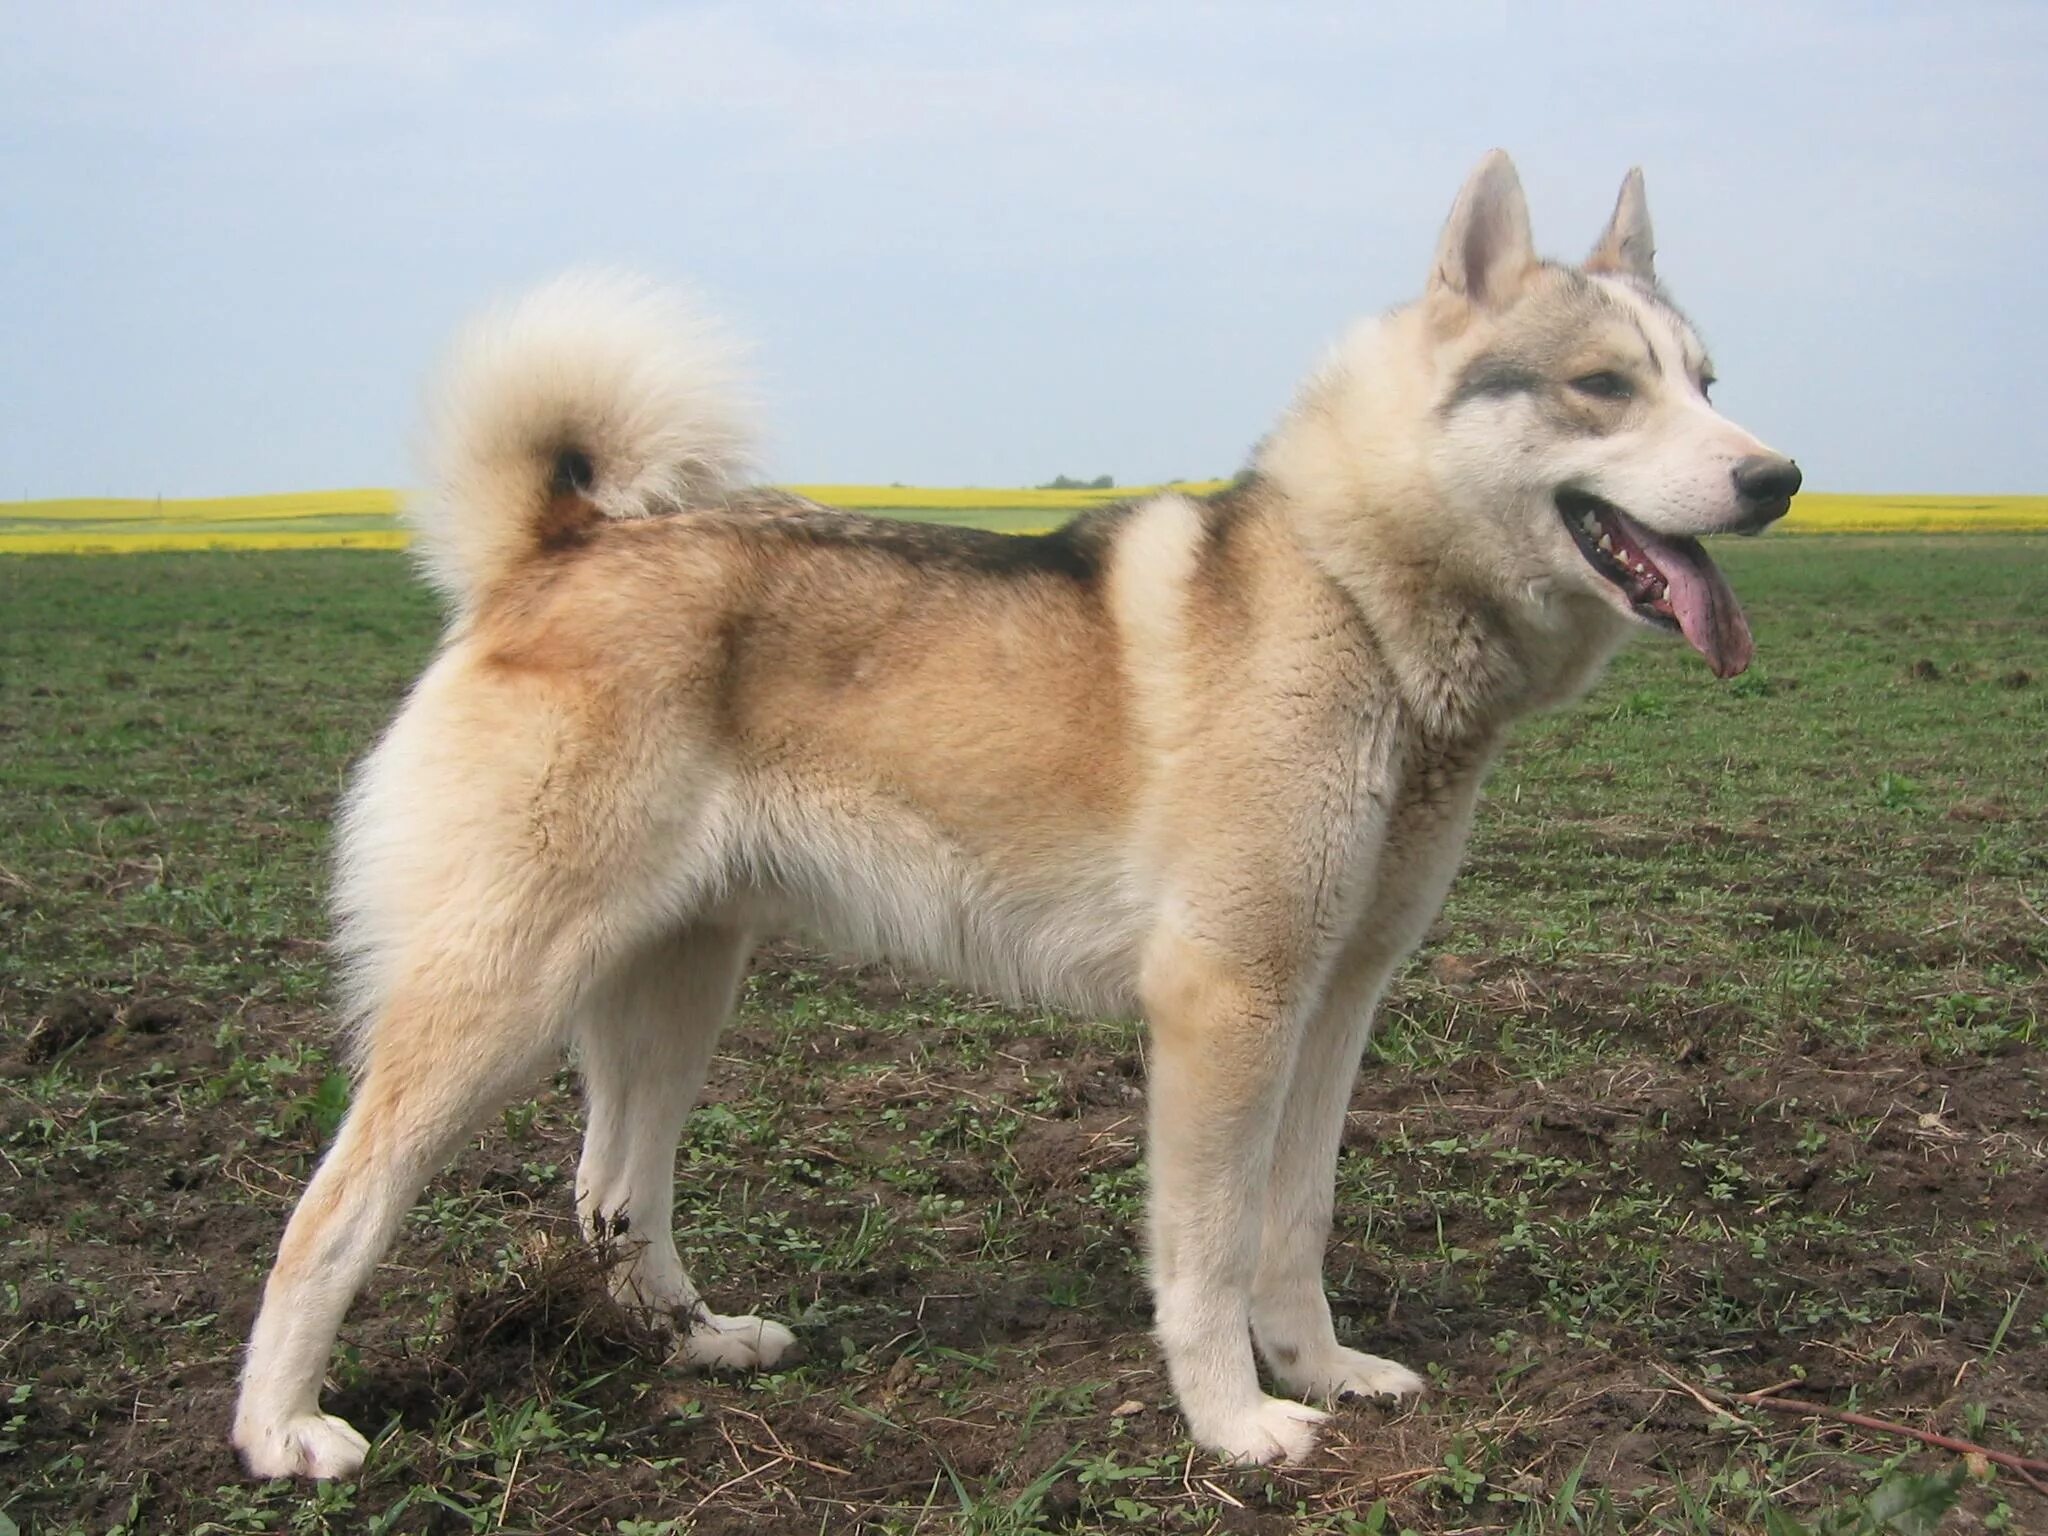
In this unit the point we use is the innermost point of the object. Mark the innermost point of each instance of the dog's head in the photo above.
(1572, 411)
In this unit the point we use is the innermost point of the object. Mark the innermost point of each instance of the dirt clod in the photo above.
(73, 1020)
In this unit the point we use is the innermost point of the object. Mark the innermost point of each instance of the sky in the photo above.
(987, 245)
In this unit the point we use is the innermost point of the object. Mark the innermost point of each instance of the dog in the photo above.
(1207, 762)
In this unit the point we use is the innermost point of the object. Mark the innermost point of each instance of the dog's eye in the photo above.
(1604, 386)
(1707, 383)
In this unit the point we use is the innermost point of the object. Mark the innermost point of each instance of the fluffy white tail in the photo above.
(595, 396)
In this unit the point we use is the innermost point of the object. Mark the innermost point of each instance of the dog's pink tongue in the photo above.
(1701, 600)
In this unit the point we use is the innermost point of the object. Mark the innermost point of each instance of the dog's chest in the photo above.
(1430, 800)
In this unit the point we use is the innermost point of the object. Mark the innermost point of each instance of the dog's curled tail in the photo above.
(595, 396)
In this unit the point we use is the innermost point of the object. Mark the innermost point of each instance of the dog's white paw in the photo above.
(717, 1343)
(1340, 1372)
(1272, 1429)
(308, 1445)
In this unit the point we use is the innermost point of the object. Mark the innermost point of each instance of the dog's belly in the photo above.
(1056, 925)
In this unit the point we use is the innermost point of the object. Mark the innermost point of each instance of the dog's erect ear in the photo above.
(1627, 247)
(1486, 250)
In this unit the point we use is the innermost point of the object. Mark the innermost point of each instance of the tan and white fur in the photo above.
(1211, 762)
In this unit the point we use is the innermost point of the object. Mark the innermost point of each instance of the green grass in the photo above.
(1726, 1058)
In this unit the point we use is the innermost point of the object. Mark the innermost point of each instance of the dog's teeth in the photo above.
(1607, 543)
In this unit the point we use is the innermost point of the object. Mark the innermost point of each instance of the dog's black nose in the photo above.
(1767, 478)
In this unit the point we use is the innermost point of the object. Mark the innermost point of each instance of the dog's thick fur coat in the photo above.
(1211, 762)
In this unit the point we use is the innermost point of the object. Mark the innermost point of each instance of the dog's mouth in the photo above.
(1665, 579)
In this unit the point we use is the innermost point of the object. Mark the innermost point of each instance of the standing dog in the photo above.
(1211, 762)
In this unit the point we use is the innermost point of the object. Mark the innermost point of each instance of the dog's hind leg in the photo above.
(445, 1050)
(645, 1040)
(1290, 1312)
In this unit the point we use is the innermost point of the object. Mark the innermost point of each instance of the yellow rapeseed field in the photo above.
(1821, 512)
(368, 518)
(292, 504)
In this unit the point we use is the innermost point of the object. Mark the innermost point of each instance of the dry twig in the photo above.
(2023, 1467)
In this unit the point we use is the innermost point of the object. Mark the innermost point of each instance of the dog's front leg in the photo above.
(1290, 1312)
(1223, 1047)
